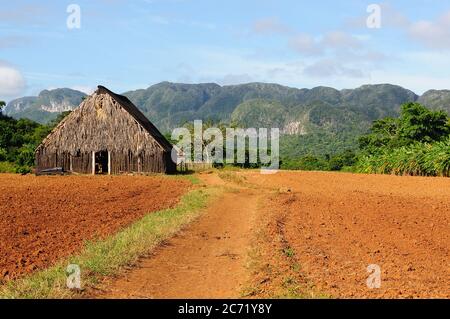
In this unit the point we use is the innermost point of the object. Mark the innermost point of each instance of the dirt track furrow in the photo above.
(339, 224)
(206, 260)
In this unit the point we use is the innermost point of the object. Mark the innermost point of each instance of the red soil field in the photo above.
(338, 224)
(43, 219)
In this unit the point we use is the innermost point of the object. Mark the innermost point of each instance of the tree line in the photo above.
(415, 143)
(18, 141)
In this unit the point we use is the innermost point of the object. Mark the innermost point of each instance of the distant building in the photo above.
(106, 134)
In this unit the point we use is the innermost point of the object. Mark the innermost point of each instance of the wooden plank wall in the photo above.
(121, 163)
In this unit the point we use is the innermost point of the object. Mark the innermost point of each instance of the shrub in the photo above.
(26, 156)
(420, 159)
(23, 170)
(6, 167)
(3, 154)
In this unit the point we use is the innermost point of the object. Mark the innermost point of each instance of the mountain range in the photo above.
(46, 106)
(320, 120)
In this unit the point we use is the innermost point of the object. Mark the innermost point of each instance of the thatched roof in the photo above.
(134, 111)
(86, 121)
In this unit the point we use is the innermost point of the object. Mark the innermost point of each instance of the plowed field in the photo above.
(335, 225)
(317, 233)
(43, 219)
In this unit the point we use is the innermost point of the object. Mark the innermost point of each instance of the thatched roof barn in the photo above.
(106, 134)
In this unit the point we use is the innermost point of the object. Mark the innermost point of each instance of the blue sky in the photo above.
(133, 44)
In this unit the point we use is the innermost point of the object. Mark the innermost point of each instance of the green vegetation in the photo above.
(289, 252)
(19, 139)
(259, 113)
(109, 256)
(324, 129)
(417, 143)
(419, 159)
(416, 124)
(341, 161)
(6, 167)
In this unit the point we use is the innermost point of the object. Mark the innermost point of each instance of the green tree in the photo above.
(419, 124)
(415, 124)
(383, 133)
(19, 139)
(2, 105)
(344, 159)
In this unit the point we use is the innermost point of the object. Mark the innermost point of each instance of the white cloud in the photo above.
(165, 20)
(339, 39)
(234, 66)
(433, 34)
(336, 54)
(25, 14)
(270, 26)
(332, 68)
(305, 44)
(232, 79)
(331, 41)
(12, 82)
(390, 18)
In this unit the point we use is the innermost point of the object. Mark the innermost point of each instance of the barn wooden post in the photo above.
(109, 162)
(139, 164)
(93, 162)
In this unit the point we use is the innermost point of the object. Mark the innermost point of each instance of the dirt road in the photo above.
(316, 234)
(206, 260)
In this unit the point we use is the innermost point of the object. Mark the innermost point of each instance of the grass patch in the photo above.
(190, 177)
(288, 252)
(231, 176)
(7, 167)
(109, 256)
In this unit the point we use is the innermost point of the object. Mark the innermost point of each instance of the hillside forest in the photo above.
(417, 142)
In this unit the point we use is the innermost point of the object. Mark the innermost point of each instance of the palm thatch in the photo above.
(108, 123)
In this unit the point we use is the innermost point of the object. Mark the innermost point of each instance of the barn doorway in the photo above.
(101, 162)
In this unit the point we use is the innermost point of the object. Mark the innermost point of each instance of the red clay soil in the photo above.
(338, 224)
(206, 260)
(43, 219)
